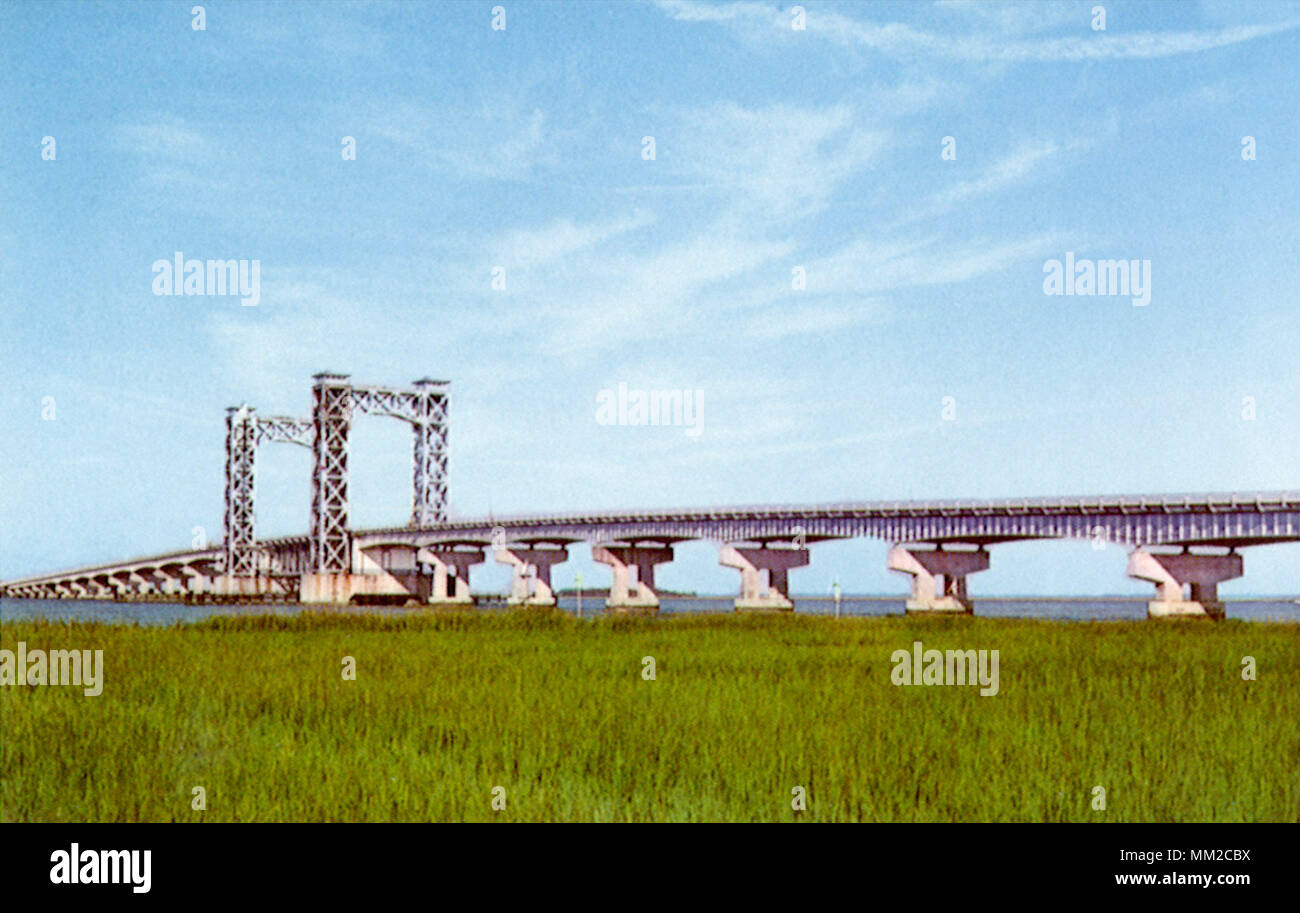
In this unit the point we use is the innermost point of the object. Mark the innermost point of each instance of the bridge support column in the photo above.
(1201, 574)
(451, 574)
(197, 582)
(385, 573)
(168, 584)
(626, 594)
(926, 565)
(764, 576)
(179, 579)
(239, 587)
(134, 584)
(159, 582)
(144, 585)
(122, 586)
(335, 589)
(531, 585)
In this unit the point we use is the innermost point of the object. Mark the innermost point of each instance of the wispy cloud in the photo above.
(1006, 172)
(170, 153)
(903, 40)
(497, 141)
(1010, 17)
(165, 137)
(871, 267)
(779, 160)
(636, 296)
(816, 317)
(560, 239)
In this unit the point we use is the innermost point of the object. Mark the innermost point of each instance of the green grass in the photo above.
(743, 709)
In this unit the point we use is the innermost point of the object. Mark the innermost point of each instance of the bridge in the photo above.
(938, 544)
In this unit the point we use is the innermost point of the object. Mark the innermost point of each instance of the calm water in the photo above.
(1101, 608)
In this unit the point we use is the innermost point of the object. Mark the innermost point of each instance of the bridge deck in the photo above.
(1225, 519)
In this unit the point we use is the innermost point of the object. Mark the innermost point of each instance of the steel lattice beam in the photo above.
(425, 408)
(331, 546)
(241, 467)
(429, 503)
(245, 430)
(284, 430)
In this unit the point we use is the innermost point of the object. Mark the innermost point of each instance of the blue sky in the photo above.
(775, 148)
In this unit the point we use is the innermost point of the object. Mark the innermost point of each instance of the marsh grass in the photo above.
(744, 708)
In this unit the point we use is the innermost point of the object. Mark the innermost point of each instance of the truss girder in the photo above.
(429, 497)
(425, 408)
(284, 430)
(331, 546)
(245, 430)
(241, 468)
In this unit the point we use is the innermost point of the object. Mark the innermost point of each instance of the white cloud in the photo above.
(638, 296)
(169, 138)
(497, 141)
(689, 11)
(171, 154)
(560, 239)
(799, 317)
(869, 267)
(899, 39)
(778, 161)
(1018, 18)
(1006, 172)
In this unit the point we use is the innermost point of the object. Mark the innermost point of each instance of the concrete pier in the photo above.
(633, 567)
(926, 565)
(385, 573)
(450, 579)
(531, 585)
(764, 576)
(133, 583)
(331, 589)
(1187, 585)
(232, 587)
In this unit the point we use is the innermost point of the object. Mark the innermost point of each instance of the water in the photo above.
(1102, 608)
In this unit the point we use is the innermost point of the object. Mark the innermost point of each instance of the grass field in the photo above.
(445, 708)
